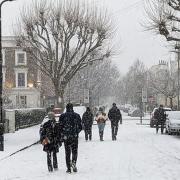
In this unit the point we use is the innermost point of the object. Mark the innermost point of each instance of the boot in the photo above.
(50, 168)
(90, 137)
(49, 163)
(55, 164)
(73, 165)
(157, 130)
(68, 170)
(101, 136)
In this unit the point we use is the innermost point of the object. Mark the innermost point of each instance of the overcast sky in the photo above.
(135, 43)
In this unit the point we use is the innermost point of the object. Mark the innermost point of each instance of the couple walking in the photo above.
(66, 130)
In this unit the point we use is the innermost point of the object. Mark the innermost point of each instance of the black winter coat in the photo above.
(87, 120)
(69, 125)
(114, 115)
(160, 115)
(50, 130)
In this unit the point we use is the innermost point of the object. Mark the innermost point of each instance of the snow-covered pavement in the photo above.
(138, 154)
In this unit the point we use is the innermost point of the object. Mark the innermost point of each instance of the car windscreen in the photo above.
(174, 116)
(167, 109)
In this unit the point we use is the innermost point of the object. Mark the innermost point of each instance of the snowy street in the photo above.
(138, 154)
(68, 65)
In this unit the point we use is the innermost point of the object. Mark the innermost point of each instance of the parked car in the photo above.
(173, 122)
(130, 111)
(137, 113)
(152, 119)
(127, 108)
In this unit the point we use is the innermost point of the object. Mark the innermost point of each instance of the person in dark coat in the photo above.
(69, 127)
(87, 122)
(160, 117)
(49, 140)
(114, 116)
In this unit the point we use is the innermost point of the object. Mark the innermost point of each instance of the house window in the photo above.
(21, 58)
(21, 79)
(21, 101)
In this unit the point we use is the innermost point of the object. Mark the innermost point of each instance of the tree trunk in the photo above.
(171, 102)
(59, 97)
(165, 101)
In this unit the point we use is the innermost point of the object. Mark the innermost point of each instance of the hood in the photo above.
(114, 107)
(69, 107)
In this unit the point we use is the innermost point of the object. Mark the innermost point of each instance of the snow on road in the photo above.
(138, 154)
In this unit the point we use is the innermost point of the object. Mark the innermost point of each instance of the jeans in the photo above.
(101, 126)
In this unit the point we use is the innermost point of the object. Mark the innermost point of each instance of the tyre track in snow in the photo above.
(145, 139)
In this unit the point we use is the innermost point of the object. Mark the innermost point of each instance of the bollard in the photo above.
(1, 137)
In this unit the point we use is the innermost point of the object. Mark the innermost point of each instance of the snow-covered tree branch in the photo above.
(63, 37)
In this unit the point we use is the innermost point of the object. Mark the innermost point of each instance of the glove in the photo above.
(45, 141)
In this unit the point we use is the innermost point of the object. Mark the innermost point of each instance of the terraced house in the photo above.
(21, 78)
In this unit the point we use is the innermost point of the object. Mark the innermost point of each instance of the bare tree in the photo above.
(164, 18)
(163, 82)
(63, 37)
(133, 82)
(99, 78)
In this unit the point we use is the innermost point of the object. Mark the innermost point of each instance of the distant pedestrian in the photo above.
(87, 122)
(49, 140)
(101, 121)
(69, 127)
(115, 117)
(160, 117)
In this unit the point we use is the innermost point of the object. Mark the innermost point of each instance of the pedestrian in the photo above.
(114, 116)
(87, 122)
(101, 121)
(160, 117)
(49, 140)
(69, 127)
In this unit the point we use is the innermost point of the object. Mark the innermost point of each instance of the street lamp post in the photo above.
(1, 86)
(178, 80)
(177, 48)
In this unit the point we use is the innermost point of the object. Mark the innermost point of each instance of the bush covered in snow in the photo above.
(28, 117)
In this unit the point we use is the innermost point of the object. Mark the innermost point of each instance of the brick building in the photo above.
(21, 78)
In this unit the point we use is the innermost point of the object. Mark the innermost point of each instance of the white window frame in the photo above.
(20, 100)
(4, 75)
(17, 71)
(16, 57)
